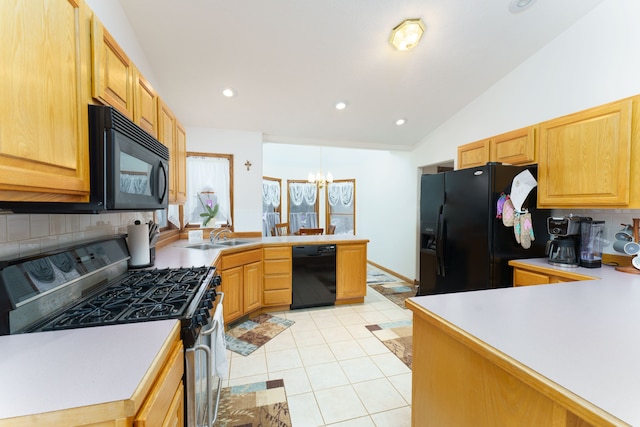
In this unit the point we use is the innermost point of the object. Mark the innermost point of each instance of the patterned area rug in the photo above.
(252, 405)
(395, 292)
(397, 337)
(374, 276)
(251, 334)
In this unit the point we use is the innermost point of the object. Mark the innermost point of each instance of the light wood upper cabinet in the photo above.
(112, 72)
(585, 158)
(45, 91)
(517, 147)
(474, 154)
(179, 164)
(145, 113)
(172, 134)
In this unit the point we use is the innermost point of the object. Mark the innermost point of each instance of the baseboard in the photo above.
(393, 273)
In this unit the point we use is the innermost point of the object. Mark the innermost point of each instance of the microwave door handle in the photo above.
(166, 182)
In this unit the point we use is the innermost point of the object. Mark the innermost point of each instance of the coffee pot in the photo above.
(562, 252)
(592, 241)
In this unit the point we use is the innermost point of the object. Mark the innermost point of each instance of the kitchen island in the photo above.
(564, 354)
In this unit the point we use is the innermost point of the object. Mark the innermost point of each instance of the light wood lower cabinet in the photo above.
(277, 276)
(164, 405)
(527, 275)
(351, 273)
(241, 275)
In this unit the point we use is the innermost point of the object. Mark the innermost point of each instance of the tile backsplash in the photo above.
(612, 219)
(29, 234)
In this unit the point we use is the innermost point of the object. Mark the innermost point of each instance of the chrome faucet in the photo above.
(215, 235)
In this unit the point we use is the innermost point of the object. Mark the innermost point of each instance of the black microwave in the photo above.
(129, 169)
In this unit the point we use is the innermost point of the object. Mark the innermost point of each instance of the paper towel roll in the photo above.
(138, 241)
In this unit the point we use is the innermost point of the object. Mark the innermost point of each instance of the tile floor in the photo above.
(335, 372)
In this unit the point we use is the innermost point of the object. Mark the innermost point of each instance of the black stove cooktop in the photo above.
(138, 296)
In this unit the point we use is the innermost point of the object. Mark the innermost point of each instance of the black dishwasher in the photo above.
(313, 276)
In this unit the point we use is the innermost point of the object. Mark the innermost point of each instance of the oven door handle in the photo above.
(207, 351)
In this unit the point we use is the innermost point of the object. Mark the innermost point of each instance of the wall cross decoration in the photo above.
(247, 164)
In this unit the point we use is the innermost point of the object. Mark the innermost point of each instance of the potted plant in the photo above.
(210, 209)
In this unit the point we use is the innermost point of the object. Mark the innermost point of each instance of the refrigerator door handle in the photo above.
(439, 243)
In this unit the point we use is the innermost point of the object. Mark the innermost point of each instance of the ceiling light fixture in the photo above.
(229, 92)
(400, 122)
(341, 105)
(407, 34)
(320, 179)
(516, 6)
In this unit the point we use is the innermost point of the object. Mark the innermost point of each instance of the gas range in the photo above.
(90, 285)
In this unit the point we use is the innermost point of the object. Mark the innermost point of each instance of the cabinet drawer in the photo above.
(277, 297)
(240, 258)
(281, 281)
(278, 252)
(527, 278)
(277, 266)
(154, 409)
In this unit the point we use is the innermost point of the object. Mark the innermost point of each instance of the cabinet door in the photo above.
(179, 164)
(112, 72)
(473, 154)
(527, 278)
(146, 105)
(585, 158)
(252, 286)
(167, 135)
(351, 271)
(516, 147)
(232, 286)
(45, 46)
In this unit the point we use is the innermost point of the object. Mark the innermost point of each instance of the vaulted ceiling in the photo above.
(290, 61)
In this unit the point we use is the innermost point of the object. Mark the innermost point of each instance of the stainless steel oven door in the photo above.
(201, 409)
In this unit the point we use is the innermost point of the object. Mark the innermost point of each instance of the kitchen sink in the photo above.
(217, 245)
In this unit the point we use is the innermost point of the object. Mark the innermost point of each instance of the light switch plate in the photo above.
(195, 236)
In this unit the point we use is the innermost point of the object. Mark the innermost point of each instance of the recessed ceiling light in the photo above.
(341, 105)
(229, 92)
(400, 122)
(516, 6)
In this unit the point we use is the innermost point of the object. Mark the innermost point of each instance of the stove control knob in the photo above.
(217, 280)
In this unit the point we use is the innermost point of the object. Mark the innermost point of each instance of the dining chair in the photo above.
(308, 231)
(281, 229)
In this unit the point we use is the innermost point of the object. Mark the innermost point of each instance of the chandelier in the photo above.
(320, 179)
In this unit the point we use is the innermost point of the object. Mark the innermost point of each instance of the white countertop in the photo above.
(177, 254)
(52, 371)
(584, 336)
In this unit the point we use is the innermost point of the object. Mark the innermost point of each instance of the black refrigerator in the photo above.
(464, 246)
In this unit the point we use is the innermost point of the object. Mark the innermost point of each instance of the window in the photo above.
(271, 204)
(209, 182)
(341, 206)
(302, 205)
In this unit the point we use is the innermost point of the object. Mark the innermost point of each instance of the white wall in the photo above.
(386, 188)
(592, 63)
(247, 184)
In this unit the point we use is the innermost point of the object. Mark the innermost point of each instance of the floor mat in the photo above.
(374, 276)
(395, 292)
(397, 337)
(252, 405)
(251, 334)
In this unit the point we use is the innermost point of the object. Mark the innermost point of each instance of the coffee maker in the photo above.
(563, 248)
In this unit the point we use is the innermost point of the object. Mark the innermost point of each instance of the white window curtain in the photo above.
(271, 193)
(340, 193)
(302, 209)
(302, 192)
(209, 175)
